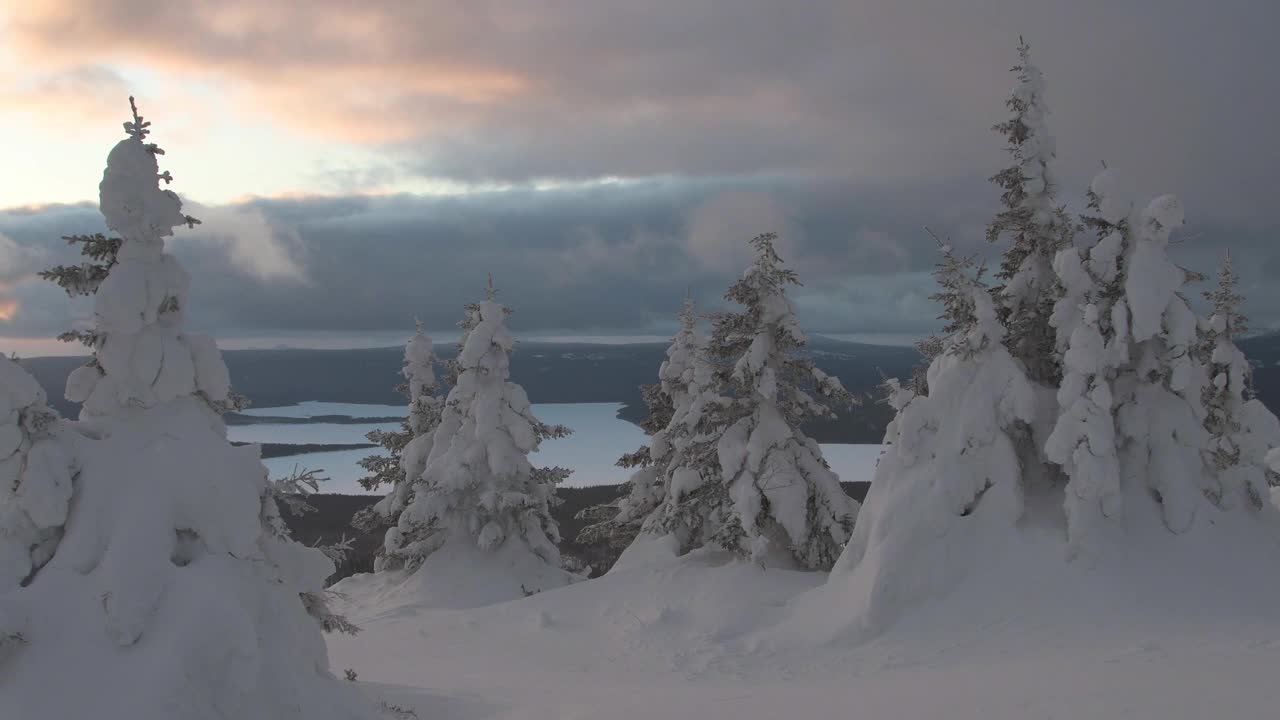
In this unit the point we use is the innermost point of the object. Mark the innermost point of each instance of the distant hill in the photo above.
(578, 372)
(549, 372)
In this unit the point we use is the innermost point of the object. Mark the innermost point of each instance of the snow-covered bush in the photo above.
(477, 486)
(949, 483)
(169, 590)
(750, 481)
(37, 469)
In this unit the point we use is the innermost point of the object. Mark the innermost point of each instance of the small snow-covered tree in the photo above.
(948, 487)
(1241, 429)
(1036, 224)
(670, 423)
(408, 448)
(478, 487)
(751, 481)
(161, 576)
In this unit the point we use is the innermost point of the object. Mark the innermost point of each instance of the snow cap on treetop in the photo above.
(130, 195)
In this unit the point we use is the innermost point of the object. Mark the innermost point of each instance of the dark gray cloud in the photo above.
(847, 125)
(1179, 92)
(598, 260)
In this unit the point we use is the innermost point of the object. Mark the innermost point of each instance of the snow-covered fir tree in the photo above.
(406, 449)
(1241, 429)
(161, 584)
(477, 487)
(750, 480)
(1035, 223)
(948, 486)
(675, 405)
(1091, 320)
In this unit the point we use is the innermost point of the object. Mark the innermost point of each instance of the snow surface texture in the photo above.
(1026, 635)
(478, 487)
(162, 586)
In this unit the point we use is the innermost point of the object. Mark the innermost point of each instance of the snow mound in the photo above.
(459, 575)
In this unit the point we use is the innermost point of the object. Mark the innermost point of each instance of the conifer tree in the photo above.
(670, 424)
(408, 448)
(174, 559)
(1036, 225)
(750, 480)
(1241, 430)
(1091, 319)
(478, 487)
(949, 476)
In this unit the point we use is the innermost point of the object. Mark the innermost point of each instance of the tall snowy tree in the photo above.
(1091, 319)
(162, 579)
(674, 413)
(1241, 429)
(1035, 223)
(408, 448)
(948, 487)
(752, 482)
(478, 487)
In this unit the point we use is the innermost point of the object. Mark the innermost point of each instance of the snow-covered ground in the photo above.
(598, 438)
(1164, 632)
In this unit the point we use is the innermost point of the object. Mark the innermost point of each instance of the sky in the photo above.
(358, 165)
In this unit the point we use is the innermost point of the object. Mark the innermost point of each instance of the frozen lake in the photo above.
(598, 439)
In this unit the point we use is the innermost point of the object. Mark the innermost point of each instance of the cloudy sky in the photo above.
(358, 164)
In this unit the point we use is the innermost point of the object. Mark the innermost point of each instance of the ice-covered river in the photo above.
(598, 438)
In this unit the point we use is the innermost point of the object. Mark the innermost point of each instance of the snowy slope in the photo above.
(1170, 630)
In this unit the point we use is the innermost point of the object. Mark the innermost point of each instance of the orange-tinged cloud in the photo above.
(8, 308)
(348, 71)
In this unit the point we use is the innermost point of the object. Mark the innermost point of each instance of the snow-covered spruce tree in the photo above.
(1036, 225)
(1241, 429)
(948, 487)
(478, 488)
(408, 448)
(750, 481)
(673, 415)
(169, 590)
(1092, 322)
(1160, 410)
